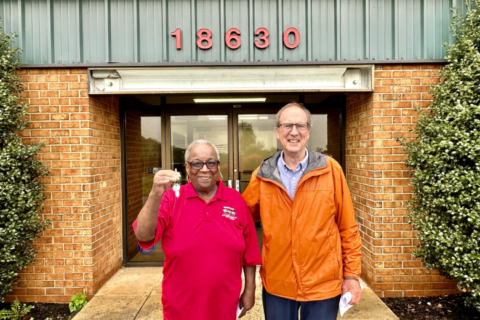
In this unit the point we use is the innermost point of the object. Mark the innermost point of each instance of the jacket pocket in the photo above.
(337, 269)
(336, 261)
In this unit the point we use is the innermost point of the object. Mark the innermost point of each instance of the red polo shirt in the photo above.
(205, 245)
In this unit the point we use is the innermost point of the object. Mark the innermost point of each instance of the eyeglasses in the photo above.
(197, 165)
(301, 126)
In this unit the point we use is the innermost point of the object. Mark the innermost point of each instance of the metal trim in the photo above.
(230, 64)
(153, 80)
(343, 133)
(123, 165)
(126, 93)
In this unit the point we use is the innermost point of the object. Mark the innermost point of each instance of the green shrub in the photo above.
(444, 160)
(17, 312)
(20, 191)
(77, 302)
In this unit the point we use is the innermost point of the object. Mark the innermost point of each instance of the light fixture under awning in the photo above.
(226, 100)
(231, 79)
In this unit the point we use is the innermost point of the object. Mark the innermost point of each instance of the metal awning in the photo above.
(231, 79)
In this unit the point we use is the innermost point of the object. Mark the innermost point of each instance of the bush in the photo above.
(444, 160)
(20, 191)
(17, 312)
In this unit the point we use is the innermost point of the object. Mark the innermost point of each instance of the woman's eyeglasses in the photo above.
(197, 165)
(301, 126)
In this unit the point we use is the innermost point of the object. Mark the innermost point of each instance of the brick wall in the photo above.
(82, 248)
(378, 180)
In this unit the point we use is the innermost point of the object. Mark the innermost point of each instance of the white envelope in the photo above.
(239, 310)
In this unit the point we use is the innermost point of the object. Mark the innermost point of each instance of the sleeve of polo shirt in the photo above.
(251, 255)
(252, 196)
(162, 220)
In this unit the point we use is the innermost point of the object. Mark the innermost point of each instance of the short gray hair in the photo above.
(197, 142)
(298, 105)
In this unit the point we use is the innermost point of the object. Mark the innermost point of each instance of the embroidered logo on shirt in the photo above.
(229, 213)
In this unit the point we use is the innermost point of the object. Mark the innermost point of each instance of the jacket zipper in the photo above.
(302, 180)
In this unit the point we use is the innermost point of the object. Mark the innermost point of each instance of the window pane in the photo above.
(325, 134)
(186, 129)
(143, 157)
(257, 140)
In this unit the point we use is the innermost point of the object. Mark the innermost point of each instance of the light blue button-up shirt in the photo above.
(289, 178)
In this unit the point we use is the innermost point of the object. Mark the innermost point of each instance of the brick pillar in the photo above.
(82, 248)
(378, 180)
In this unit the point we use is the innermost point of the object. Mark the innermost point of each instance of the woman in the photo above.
(207, 236)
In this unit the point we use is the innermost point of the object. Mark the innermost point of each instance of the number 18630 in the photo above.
(233, 40)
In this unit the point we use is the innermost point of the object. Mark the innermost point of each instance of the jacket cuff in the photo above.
(351, 275)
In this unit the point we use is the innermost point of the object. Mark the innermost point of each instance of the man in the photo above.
(311, 245)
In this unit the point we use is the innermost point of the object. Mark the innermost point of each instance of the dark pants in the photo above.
(277, 308)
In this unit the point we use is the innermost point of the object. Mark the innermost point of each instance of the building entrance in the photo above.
(156, 137)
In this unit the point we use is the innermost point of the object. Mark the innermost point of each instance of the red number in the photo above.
(233, 34)
(297, 38)
(178, 37)
(263, 37)
(202, 38)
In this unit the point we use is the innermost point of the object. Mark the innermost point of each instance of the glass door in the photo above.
(244, 135)
(255, 138)
(143, 157)
(184, 127)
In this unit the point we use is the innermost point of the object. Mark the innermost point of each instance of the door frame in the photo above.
(232, 111)
(188, 109)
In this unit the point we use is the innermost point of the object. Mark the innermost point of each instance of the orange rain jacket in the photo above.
(312, 242)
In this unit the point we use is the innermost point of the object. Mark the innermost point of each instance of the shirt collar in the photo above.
(301, 166)
(191, 193)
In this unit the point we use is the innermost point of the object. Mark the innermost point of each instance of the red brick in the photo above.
(69, 94)
(73, 78)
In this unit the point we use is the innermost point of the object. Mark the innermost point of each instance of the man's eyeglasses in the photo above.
(197, 165)
(301, 126)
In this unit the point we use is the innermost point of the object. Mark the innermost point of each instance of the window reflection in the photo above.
(185, 129)
(143, 141)
(257, 139)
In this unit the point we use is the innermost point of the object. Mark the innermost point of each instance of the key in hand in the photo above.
(176, 184)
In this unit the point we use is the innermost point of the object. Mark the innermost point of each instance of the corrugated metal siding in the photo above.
(130, 31)
(66, 31)
(94, 37)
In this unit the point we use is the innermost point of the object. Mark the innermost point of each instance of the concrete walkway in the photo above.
(135, 294)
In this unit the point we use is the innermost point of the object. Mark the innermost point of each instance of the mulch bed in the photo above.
(41, 311)
(449, 307)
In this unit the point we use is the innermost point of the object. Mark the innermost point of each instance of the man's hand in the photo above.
(247, 301)
(353, 287)
(147, 217)
(163, 181)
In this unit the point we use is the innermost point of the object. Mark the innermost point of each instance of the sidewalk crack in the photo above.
(141, 307)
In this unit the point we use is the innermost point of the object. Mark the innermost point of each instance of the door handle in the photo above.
(237, 185)
(229, 183)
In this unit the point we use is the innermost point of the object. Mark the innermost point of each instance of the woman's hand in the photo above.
(163, 181)
(247, 301)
